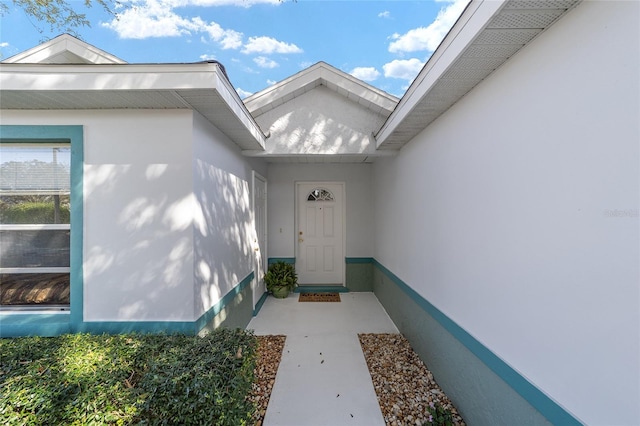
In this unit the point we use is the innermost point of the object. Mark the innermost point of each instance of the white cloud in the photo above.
(243, 93)
(151, 19)
(428, 38)
(267, 45)
(228, 39)
(4, 44)
(156, 18)
(385, 14)
(263, 62)
(198, 3)
(206, 57)
(205, 3)
(365, 73)
(406, 69)
(271, 82)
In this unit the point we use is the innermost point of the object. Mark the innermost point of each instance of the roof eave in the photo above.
(487, 34)
(471, 21)
(202, 87)
(314, 76)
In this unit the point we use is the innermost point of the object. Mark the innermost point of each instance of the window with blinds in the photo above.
(34, 224)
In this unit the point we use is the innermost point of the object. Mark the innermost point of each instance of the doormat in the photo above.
(319, 297)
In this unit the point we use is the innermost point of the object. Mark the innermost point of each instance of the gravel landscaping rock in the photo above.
(403, 384)
(269, 354)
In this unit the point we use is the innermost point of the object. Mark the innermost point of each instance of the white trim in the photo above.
(98, 78)
(36, 227)
(34, 192)
(321, 74)
(36, 144)
(255, 175)
(61, 44)
(45, 270)
(30, 309)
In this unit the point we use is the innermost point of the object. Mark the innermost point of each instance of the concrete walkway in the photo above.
(323, 379)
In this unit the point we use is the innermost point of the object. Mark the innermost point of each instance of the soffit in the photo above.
(199, 87)
(485, 36)
(323, 74)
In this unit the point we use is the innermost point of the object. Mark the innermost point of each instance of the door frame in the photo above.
(343, 214)
(263, 250)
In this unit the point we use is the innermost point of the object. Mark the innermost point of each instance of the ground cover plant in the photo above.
(128, 379)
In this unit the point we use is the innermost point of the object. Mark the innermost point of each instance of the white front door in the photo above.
(320, 233)
(260, 242)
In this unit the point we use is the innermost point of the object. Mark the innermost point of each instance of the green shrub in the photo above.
(281, 274)
(127, 379)
(439, 415)
(185, 384)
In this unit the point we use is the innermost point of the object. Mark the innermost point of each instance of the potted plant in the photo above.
(281, 279)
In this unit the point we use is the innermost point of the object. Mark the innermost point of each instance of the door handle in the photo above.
(300, 240)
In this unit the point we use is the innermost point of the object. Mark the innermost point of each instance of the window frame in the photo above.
(69, 136)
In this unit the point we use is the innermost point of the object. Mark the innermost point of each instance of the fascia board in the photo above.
(235, 104)
(37, 53)
(282, 89)
(92, 54)
(359, 90)
(60, 44)
(364, 90)
(44, 51)
(106, 77)
(130, 78)
(324, 73)
(472, 21)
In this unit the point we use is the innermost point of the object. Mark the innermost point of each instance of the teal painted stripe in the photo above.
(169, 327)
(143, 327)
(541, 402)
(291, 260)
(36, 134)
(353, 260)
(218, 307)
(321, 289)
(56, 324)
(21, 325)
(42, 330)
(260, 303)
(77, 218)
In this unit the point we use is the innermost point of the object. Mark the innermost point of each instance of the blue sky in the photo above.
(261, 42)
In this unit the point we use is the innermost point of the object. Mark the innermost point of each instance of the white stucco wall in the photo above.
(167, 212)
(516, 213)
(224, 231)
(358, 200)
(138, 238)
(320, 121)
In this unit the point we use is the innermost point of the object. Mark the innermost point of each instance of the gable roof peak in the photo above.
(64, 49)
(321, 74)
